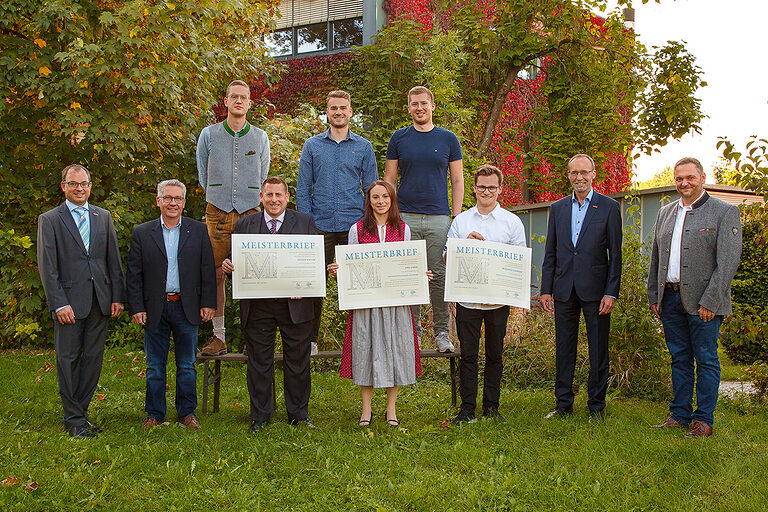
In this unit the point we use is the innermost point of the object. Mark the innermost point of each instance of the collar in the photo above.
(242, 132)
(589, 197)
(698, 202)
(493, 213)
(72, 205)
(162, 224)
(280, 218)
(349, 136)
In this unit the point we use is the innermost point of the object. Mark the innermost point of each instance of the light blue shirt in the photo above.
(171, 238)
(578, 212)
(76, 216)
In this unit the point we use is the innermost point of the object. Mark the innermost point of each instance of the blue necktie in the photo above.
(84, 228)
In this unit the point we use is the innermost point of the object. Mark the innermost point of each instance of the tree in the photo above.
(118, 85)
(663, 178)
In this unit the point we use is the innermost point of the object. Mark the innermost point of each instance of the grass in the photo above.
(730, 370)
(525, 463)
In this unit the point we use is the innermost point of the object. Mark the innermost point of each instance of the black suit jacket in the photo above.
(69, 274)
(296, 223)
(148, 267)
(593, 267)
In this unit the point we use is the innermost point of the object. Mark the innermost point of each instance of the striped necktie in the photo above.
(273, 226)
(83, 227)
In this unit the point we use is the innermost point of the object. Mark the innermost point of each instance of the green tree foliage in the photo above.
(745, 333)
(120, 86)
(663, 178)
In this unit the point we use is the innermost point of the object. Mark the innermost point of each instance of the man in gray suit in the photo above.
(696, 250)
(79, 264)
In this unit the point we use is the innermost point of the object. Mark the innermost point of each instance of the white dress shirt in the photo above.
(673, 269)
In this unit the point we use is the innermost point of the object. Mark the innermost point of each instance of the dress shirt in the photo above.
(171, 239)
(500, 225)
(673, 269)
(333, 176)
(279, 220)
(578, 212)
(76, 218)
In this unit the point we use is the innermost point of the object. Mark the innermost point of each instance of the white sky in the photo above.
(728, 40)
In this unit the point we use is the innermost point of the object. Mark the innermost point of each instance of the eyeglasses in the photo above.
(75, 184)
(581, 174)
(170, 199)
(483, 188)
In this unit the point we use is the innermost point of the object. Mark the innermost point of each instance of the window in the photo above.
(280, 42)
(312, 38)
(348, 33)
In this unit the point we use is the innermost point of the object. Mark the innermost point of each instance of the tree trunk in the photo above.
(499, 98)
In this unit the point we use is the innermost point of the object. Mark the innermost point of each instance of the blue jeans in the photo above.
(156, 345)
(690, 339)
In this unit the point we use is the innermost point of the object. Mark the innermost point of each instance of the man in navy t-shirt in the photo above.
(425, 155)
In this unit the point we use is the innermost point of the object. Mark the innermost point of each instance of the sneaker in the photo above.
(443, 342)
(214, 347)
(313, 350)
(463, 417)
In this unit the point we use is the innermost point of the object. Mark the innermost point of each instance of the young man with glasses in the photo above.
(581, 273)
(485, 221)
(79, 263)
(232, 162)
(171, 289)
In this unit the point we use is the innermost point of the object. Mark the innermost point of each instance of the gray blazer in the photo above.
(69, 274)
(709, 256)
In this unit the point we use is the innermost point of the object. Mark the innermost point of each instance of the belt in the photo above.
(172, 297)
(675, 287)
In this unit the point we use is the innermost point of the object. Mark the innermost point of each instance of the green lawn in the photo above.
(525, 463)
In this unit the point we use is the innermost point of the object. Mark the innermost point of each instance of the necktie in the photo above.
(273, 226)
(83, 227)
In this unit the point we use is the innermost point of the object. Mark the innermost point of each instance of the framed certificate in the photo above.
(480, 271)
(383, 274)
(278, 266)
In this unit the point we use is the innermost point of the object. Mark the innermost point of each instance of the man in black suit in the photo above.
(79, 264)
(260, 318)
(582, 272)
(171, 289)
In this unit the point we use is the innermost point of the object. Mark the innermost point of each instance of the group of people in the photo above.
(177, 267)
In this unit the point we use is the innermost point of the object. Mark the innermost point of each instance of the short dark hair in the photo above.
(420, 89)
(275, 180)
(240, 83)
(488, 170)
(74, 167)
(338, 94)
(689, 160)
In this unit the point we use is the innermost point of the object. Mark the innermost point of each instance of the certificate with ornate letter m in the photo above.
(278, 266)
(383, 274)
(486, 272)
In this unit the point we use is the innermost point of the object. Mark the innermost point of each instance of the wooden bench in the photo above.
(212, 373)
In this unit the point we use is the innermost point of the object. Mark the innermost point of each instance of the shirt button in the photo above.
(235, 168)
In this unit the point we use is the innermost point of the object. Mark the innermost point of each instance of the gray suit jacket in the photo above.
(69, 274)
(709, 255)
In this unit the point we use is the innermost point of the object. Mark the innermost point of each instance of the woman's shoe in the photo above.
(394, 423)
(364, 422)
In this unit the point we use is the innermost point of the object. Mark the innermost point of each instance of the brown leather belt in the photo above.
(172, 297)
(675, 287)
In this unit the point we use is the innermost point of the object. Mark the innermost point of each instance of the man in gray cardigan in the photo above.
(232, 162)
(696, 251)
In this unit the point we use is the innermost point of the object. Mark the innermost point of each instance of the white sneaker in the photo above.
(443, 343)
(313, 350)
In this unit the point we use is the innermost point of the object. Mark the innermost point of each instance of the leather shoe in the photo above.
(596, 416)
(256, 427)
(493, 414)
(699, 429)
(670, 423)
(93, 428)
(190, 421)
(557, 413)
(80, 432)
(463, 417)
(149, 422)
(305, 423)
(214, 347)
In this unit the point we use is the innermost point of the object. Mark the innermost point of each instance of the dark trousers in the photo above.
(79, 354)
(567, 315)
(331, 239)
(468, 324)
(264, 317)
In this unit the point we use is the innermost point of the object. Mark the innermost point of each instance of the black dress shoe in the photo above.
(80, 432)
(493, 414)
(463, 417)
(256, 427)
(596, 416)
(557, 413)
(93, 428)
(305, 423)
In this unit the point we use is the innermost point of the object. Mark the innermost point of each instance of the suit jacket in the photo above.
(709, 255)
(593, 266)
(148, 268)
(69, 274)
(294, 222)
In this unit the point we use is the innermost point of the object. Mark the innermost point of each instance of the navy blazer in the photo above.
(148, 268)
(294, 223)
(593, 267)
